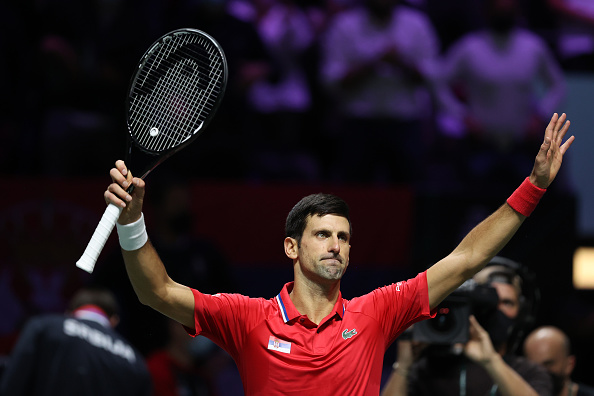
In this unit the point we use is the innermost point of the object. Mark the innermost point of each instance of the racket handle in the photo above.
(100, 236)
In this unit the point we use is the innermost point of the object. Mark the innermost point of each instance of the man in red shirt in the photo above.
(308, 338)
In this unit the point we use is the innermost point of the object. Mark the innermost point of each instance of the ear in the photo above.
(570, 365)
(291, 248)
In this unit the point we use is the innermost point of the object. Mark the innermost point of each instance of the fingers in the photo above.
(121, 166)
(556, 131)
(118, 177)
(550, 133)
(476, 330)
(117, 195)
(120, 174)
(559, 125)
(567, 144)
(561, 135)
(116, 192)
(550, 129)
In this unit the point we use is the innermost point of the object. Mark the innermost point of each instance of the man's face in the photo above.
(324, 249)
(509, 303)
(549, 348)
(549, 355)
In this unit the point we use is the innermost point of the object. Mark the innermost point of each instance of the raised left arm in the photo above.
(485, 240)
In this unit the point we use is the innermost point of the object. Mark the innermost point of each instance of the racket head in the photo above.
(177, 88)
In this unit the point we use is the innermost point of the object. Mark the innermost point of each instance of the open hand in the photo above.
(549, 158)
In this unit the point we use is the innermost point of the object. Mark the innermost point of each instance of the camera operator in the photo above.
(475, 359)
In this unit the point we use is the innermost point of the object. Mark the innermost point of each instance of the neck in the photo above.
(382, 20)
(92, 312)
(315, 300)
(501, 38)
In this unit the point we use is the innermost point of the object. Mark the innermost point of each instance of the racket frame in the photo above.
(107, 223)
(164, 154)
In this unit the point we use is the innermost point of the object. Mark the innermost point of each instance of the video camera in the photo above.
(450, 324)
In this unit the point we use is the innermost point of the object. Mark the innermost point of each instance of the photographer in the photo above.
(484, 363)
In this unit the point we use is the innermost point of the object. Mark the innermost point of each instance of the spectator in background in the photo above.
(374, 60)
(502, 82)
(75, 354)
(282, 101)
(454, 18)
(550, 347)
(186, 366)
(575, 33)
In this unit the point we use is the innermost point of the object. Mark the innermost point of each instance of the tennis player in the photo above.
(309, 338)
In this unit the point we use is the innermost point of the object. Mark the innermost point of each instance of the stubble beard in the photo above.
(329, 272)
(319, 268)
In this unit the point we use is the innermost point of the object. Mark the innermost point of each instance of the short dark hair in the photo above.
(503, 270)
(101, 297)
(314, 205)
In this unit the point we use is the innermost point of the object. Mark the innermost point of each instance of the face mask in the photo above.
(558, 382)
(499, 326)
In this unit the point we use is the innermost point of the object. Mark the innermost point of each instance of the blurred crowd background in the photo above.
(423, 114)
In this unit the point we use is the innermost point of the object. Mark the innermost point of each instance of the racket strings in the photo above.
(163, 56)
(177, 92)
(168, 107)
(175, 81)
(171, 46)
(199, 102)
(152, 79)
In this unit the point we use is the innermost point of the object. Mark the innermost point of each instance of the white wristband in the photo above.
(132, 236)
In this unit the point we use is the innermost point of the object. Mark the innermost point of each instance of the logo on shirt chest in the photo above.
(346, 334)
(276, 344)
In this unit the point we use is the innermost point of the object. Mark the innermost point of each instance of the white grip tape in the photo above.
(100, 236)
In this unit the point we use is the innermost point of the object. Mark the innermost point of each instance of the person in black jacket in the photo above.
(78, 353)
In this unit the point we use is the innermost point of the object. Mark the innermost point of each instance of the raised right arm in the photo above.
(146, 271)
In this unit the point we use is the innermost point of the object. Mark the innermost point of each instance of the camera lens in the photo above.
(449, 326)
(444, 321)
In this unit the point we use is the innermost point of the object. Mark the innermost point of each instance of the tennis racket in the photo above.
(174, 94)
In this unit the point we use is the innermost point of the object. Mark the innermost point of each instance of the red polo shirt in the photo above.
(280, 352)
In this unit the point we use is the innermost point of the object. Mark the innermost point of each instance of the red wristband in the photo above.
(526, 197)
